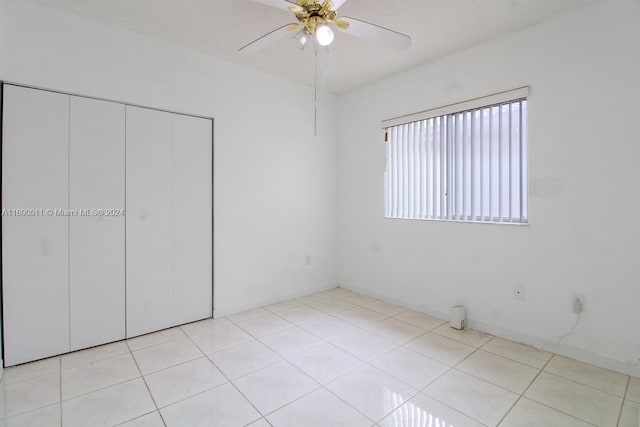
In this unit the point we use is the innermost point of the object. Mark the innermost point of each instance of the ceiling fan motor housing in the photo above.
(313, 14)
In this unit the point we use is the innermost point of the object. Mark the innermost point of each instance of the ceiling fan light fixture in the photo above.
(302, 37)
(324, 35)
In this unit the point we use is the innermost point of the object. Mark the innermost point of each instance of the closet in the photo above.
(107, 221)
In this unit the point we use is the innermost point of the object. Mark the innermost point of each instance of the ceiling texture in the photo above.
(221, 27)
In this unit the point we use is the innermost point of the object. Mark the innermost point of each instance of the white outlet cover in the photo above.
(580, 296)
(519, 292)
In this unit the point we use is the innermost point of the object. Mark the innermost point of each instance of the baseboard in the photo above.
(563, 350)
(226, 311)
(540, 343)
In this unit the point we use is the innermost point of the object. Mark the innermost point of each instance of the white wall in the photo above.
(275, 184)
(584, 71)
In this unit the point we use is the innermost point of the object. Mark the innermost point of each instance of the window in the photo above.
(464, 162)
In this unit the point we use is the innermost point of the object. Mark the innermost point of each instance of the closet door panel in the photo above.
(192, 219)
(35, 248)
(148, 221)
(97, 264)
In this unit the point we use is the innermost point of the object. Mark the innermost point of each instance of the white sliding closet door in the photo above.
(73, 275)
(35, 166)
(192, 218)
(96, 181)
(149, 220)
(169, 220)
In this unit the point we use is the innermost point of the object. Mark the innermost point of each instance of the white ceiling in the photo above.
(221, 27)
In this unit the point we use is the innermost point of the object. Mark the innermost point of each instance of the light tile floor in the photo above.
(335, 358)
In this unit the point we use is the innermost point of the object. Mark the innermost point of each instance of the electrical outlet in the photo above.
(577, 302)
(519, 292)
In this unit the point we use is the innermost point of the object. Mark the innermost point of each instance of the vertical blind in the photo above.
(463, 166)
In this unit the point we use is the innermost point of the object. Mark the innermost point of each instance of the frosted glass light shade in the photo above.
(324, 35)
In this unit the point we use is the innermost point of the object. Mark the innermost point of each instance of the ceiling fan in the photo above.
(317, 18)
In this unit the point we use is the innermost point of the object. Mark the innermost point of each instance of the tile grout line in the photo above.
(258, 337)
(313, 347)
(321, 386)
(250, 372)
(512, 359)
(490, 382)
(556, 410)
(624, 398)
(5, 418)
(60, 366)
(283, 359)
(178, 327)
(403, 402)
(294, 400)
(187, 398)
(104, 387)
(289, 321)
(228, 381)
(522, 395)
(451, 368)
(145, 384)
(583, 385)
(525, 391)
(367, 362)
(324, 387)
(233, 345)
(560, 375)
(141, 416)
(101, 359)
(100, 389)
(173, 366)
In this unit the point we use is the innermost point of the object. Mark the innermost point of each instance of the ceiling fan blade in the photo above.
(337, 3)
(268, 39)
(281, 4)
(375, 33)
